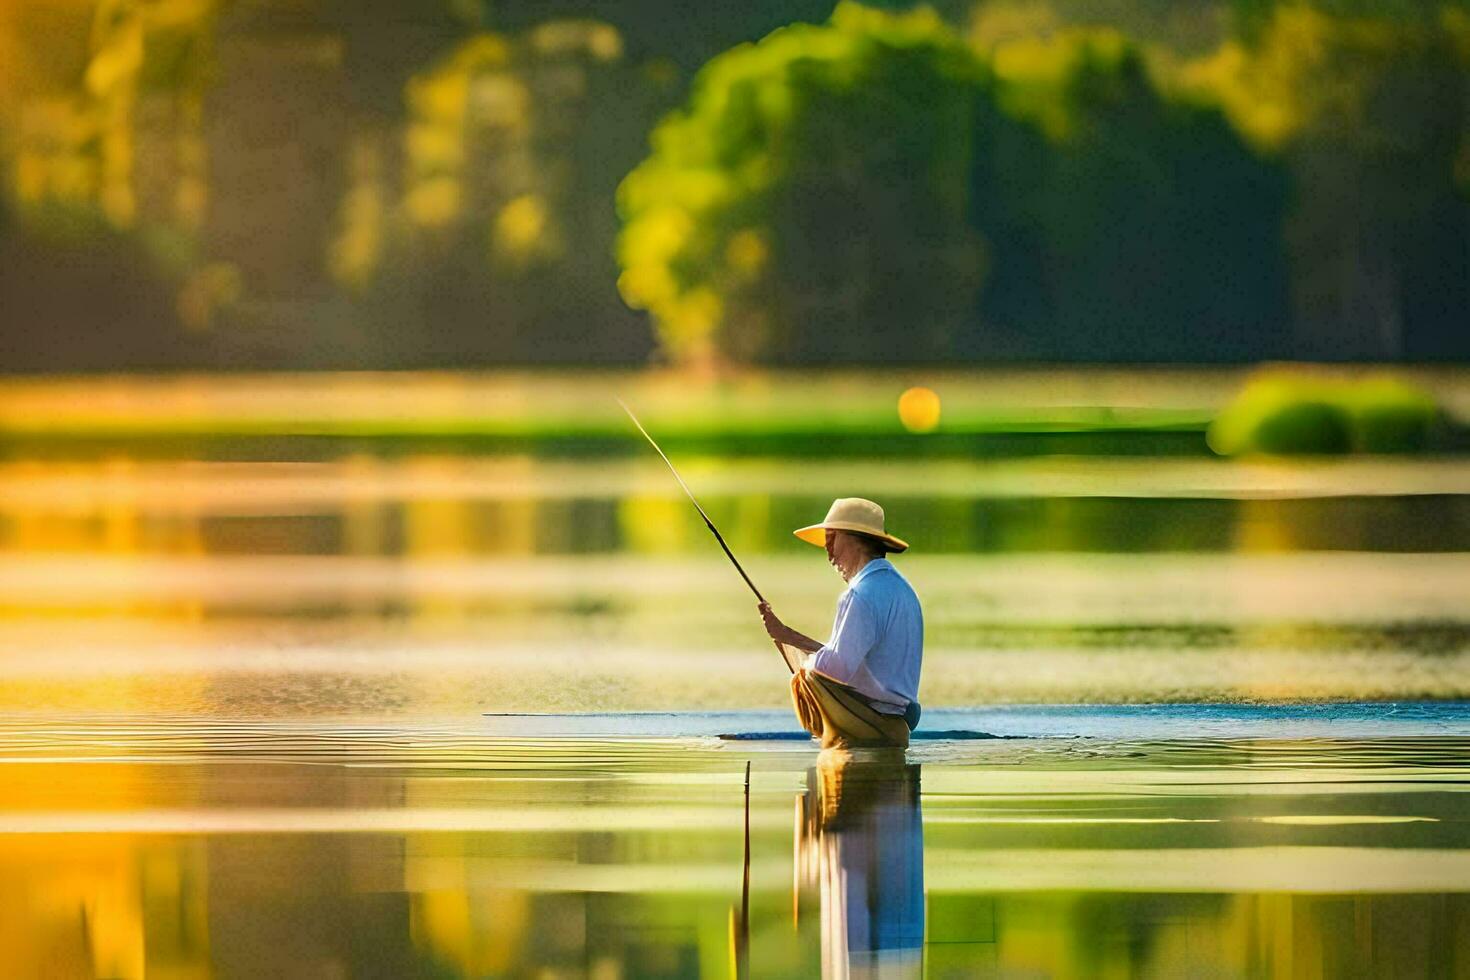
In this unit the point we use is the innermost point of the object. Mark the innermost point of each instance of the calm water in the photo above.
(176, 848)
(393, 713)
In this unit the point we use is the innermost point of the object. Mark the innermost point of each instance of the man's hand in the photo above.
(782, 633)
(776, 629)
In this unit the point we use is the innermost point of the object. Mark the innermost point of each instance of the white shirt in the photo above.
(877, 642)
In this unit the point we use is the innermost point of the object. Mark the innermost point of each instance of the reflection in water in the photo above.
(468, 505)
(521, 583)
(861, 842)
(284, 851)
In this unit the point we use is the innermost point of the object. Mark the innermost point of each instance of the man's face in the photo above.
(844, 552)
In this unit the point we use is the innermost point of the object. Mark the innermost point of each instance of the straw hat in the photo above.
(851, 514)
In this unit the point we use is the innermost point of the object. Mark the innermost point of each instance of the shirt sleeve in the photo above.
(854, 633)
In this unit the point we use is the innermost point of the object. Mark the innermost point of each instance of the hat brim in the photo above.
(817, 534)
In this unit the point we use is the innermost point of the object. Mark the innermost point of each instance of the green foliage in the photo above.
(514, 147)
(1071, 180)
(1391, 416)
(1293, 413)
(841, 191)
(1140, 227)
(1368, 111)
(812, 195)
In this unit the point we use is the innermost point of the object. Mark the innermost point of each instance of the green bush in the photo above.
(1391, 416)
(1294, 414)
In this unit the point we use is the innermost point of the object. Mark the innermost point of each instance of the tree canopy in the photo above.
(874, 189)
(813, 192)
(321, 183)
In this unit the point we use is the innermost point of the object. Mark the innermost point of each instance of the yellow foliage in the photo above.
(646, 285)
(51, 161)
(355, 252)
(1456, 24)
(191, 197)
(433, 203)
(663, 233)
(1256, 92)
(472, 143)
(498, 99)
(31, 175)
(692, 319)
(1044, 64)
(1310, 65)
(522, 231)
(922, 23)
(117, 60)
(481, 52)
(647, 248)
(434, 148)
(118, 203)
(81, 151)
(561, 37)
(993, 25)
(439, 96)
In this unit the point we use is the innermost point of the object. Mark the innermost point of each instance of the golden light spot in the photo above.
(918, 409)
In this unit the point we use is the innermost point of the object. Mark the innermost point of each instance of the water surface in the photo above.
(270, 848)
(289, 688)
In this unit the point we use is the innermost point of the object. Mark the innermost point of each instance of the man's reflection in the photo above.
(860, 840)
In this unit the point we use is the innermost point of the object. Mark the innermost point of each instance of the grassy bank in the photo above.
(980, 413)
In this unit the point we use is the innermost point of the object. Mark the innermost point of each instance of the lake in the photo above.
(359, 705)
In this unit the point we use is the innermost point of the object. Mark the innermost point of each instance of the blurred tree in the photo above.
(859, 190)
(829, 194)
(671, 33)
(809, 203)
(1167, 27)
(1370, 114)
(107, 183)
(1142, 227)
(500, 247)
(127, 138)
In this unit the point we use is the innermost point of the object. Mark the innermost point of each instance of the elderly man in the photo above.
(861, 687)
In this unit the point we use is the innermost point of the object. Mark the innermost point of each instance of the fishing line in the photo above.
(707, 522)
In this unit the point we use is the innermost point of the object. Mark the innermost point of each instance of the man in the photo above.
(861, 687)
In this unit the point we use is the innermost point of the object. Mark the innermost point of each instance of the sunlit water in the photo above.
(407, 714)
(181, 848)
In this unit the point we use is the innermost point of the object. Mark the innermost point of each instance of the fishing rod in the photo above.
(707, 522)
